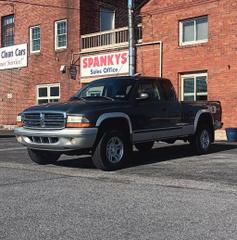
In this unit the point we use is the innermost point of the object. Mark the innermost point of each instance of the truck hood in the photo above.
(75, 107)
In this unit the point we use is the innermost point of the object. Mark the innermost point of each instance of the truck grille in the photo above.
(45, 120)
(43, 140)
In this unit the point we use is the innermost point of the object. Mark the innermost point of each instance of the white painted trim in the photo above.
(104, 32)
(56, 35)
(181, 43)
(31, 40)
(193, 42)
(193, 75)
(161, 52)
(48, 86)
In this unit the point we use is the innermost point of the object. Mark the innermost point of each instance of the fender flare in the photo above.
(198, 115)
(114, 115)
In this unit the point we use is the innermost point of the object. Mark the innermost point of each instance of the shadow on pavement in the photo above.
(159, 154)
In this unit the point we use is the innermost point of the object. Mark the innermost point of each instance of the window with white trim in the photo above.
(194, 87)
(48, 93)
(7, 31)
(107, 19)
(61, 34)
(35, 39)
(193, 31)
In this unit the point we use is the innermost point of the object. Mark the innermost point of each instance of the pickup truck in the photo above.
(108, 116)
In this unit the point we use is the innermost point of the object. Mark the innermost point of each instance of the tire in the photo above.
(201, 142)
(43, 157)
(144, 147)
(111, 151)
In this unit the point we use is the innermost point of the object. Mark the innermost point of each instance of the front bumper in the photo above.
(66, 139)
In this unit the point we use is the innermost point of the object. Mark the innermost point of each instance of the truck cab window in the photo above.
(149, 88)
(168, 90)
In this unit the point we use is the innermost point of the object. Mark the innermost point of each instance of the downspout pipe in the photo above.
(131, 40)
(161, 52)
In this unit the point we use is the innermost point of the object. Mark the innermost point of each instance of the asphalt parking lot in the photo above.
(168, 193)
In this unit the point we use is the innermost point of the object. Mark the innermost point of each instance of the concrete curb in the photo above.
(6, 134)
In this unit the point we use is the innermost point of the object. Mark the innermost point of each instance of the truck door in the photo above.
(171, 107)
(149, 117)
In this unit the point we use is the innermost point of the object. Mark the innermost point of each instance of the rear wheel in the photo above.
(144, 147)
(112, 150)
(43, 157)
(201, 142)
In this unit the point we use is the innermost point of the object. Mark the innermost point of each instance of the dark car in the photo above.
(108, 116)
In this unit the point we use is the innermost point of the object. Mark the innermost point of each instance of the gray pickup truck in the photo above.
(108, 116)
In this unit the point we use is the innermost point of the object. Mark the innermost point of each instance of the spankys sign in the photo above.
(113, 63)
(13, 57)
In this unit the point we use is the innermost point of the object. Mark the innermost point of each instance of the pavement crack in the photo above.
(32, 181)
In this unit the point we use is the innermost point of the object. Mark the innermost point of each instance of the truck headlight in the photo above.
(78, 121)
(19, 122)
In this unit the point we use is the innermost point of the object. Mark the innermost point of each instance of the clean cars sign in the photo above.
(13, 57)
(113, 63)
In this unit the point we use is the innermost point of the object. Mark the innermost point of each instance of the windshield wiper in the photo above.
(77, 98)
(106, 97)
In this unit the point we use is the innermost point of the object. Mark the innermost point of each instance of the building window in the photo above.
(107, 19)
(48, 93)
(194, 31)
(35, 39)
(194, 87)
(8, 31)
(61, 34)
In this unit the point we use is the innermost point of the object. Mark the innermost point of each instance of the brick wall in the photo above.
(218, 56)
(18, 86)
(160, 23)
(43, 68)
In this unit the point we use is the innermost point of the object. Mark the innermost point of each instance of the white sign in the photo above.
(13, 57)
(113, 63)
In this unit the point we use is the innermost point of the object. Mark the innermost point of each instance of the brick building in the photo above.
(191, 42)
(199, 49)
(48, 33)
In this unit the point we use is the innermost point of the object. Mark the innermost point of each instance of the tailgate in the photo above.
(216, 111)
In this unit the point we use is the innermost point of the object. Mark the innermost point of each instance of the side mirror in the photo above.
(143, 96)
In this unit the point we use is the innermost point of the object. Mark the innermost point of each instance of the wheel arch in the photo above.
(205, 117)
(118, 119)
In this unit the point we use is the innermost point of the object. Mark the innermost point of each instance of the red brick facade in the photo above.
(160, 19)
(218, 56)
(44, 68)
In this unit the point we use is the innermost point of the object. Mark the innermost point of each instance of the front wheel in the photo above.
(201, 142)
(43, 157)
(112, 150)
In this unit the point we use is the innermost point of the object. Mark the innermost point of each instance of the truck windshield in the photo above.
(106, 89)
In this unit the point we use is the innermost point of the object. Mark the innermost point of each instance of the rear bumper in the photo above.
(57, 140)
(218, 125)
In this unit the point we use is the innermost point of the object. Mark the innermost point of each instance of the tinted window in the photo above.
(168, 89)
(194, 30)
(54, 91)
(113, 88)
(8, 31)
(43, 92)
(149, 88)
(194, 87)
(106, 19)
